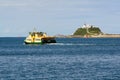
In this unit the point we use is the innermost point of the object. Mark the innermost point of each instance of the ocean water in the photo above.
(68, 59)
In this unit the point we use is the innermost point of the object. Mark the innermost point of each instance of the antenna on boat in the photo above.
(34, 29)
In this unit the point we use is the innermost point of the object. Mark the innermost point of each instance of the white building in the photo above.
(86, 26)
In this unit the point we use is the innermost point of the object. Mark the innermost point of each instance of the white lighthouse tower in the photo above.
(86, 26)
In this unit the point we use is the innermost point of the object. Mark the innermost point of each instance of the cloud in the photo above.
(6, 31)
(22, 3)
(51, 6)
(44, 3)
(12, 4)
(51, 15)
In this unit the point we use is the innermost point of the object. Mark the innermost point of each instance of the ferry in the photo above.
(39, 38)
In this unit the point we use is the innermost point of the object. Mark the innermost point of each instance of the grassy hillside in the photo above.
(87, 31)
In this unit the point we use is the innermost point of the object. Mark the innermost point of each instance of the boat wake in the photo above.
(68, 44)
(84, 44)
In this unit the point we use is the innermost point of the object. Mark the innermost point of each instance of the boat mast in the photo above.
(34, 29)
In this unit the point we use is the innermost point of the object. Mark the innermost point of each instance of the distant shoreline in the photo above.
(92, 36)
(75, 36)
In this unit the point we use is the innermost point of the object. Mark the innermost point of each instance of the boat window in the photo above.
(29, 39)
(37, 39)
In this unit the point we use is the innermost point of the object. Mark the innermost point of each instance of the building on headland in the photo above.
(87, 26)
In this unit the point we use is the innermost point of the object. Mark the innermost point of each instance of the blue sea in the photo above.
(68, 59)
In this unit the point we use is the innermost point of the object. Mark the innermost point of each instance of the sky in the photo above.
(19, 17)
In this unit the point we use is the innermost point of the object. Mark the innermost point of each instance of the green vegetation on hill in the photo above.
(94, 30)
(80, 31)
(88, 31)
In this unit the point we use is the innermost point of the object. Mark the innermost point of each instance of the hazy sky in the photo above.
(18, 17)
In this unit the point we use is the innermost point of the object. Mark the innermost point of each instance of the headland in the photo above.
(89, 31)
